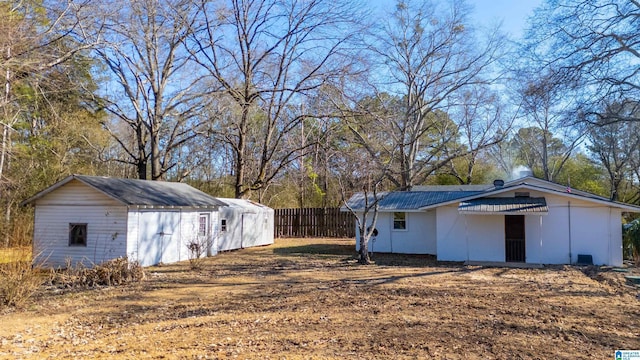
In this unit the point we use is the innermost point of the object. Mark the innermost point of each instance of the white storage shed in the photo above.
(92, 219)
(243, 224)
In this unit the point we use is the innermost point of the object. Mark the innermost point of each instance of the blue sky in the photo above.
(512, 13)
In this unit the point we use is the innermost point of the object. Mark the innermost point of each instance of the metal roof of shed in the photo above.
(133, 192)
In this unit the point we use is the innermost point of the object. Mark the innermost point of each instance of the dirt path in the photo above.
(300, 300)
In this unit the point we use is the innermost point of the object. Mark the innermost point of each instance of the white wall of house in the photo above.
(451, 237)
(486, 237)
(590, 229)
(536, 246)
(419, 237)
(77, 203)
(382, 242)
(469, 237)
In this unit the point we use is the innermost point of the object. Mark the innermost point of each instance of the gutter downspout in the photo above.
(569, 208)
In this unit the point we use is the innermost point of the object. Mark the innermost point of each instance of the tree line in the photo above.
(299, 103)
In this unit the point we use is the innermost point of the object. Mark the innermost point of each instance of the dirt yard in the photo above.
(308, 299)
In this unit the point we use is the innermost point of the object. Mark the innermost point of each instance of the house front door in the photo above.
(514, 238)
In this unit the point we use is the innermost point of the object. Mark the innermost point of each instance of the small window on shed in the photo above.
(223, 225)
(522, 194)
(399, 221)
(77, 234)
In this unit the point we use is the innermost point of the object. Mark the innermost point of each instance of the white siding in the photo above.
(162, 236)
(189, 229)
(133, 233)
(159, 237)
(106, 234)
(231, 238)
(76, 193)
(247, 225)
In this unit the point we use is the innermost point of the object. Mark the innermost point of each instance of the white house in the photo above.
(527, 220)
(91, 219)
(244, 223)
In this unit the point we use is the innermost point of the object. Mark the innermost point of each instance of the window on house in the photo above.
(77, 234)
(223, 225)
(203, 224)
(399, 221)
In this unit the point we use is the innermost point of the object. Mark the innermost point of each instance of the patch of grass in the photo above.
(299, 299)
(318, 249)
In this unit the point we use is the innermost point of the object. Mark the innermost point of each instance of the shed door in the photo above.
(514, 238)
(159, 237)
(250, 230)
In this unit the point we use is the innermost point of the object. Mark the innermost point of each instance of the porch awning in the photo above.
(508, 206)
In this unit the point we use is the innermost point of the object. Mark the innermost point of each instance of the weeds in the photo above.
(197, 249)
(19, 280)
(118, 271)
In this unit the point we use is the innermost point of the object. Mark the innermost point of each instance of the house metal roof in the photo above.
(517, 205)
(408, 200)
(430, 197)
(135, 192)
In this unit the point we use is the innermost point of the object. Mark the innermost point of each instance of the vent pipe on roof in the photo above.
(498, 183)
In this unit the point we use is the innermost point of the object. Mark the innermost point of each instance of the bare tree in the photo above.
(591, 46)
(482, 125)
(548, 141)
(360, 172)
(432, 56)
(267, 55)
(158, 95)
(615, 144)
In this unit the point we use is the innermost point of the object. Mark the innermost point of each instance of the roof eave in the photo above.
(60, 184)
(624, 207)
(503, 212)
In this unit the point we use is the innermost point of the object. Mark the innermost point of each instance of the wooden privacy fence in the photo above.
(314, 222)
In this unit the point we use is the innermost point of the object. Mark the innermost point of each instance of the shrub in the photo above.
(19, 280)
(110, 273)
(197, 249)
(631, 241)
